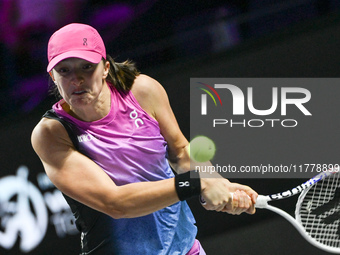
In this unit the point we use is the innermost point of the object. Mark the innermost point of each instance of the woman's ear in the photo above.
(106, 69)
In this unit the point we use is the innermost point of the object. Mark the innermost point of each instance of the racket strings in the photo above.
(318, 210)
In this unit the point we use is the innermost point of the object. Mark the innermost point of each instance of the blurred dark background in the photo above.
(171, 41)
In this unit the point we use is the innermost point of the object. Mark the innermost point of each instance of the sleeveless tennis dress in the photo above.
(128, 146)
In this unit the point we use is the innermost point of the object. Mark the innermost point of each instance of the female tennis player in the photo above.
(108, 144)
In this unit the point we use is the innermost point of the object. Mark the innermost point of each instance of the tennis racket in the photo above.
(317, 213)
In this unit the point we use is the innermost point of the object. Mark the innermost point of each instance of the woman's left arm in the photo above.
(215, 189)
(154, 100)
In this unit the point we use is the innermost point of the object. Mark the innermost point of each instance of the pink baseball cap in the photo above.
(75, 40)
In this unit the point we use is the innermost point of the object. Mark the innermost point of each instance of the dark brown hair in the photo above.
(121, 75)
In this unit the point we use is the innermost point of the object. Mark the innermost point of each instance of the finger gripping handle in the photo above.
(203, 202)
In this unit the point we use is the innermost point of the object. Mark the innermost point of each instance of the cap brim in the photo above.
(93, 57)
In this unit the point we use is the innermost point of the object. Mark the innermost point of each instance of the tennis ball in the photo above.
(202, 149)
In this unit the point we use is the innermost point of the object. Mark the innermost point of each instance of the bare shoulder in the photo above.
(47, 136)
(47, 128)
(145, 85)
(149, 93)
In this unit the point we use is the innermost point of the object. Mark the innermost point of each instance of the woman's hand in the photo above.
(221, 195)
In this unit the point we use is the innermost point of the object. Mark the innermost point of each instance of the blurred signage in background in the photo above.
(27, 210)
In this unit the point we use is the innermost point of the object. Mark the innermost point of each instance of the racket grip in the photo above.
(262, 201)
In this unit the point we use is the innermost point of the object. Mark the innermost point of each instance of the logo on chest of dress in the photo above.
(85, 138)
(134, 116)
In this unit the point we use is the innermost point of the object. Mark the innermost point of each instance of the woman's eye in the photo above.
(62, 70)
(87, 66)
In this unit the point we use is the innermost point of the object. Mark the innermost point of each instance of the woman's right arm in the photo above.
(80, 178)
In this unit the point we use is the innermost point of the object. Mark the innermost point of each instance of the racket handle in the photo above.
(262, 201)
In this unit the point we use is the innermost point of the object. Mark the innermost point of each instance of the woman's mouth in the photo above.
(79, 92)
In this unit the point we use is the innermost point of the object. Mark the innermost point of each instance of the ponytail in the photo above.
(121, 75)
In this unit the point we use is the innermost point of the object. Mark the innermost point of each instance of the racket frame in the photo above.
(262, 203)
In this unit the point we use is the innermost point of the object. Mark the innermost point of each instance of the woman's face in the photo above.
(80, 82)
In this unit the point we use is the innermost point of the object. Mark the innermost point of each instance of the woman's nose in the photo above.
(77, 79)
